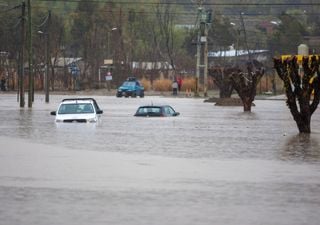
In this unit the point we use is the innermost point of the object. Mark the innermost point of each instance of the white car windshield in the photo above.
(76, 108)
(129, 83)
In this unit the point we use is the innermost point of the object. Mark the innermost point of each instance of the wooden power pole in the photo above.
(31, 80)
(21, 76)
(47, 78)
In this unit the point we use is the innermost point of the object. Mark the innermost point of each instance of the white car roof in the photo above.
(76, 101)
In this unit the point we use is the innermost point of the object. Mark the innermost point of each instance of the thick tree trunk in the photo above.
(247, 104)
(303, 121)
(225, 90)
(304, 127)
(222, 80)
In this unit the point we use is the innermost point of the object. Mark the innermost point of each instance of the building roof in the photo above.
(61, 62)
(151, 65)
(233, 53)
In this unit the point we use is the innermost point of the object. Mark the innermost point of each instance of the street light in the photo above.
(275, 22)
(108, 36)
(108, 61)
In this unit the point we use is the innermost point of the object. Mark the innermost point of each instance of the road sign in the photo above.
(108, 76)
(108, 61)
(75, 71)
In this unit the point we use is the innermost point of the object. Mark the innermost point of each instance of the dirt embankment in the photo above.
(226, 101)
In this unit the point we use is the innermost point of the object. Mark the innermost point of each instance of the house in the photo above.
(70, 63)
(313, 43)
(153, 69)
(67, 72)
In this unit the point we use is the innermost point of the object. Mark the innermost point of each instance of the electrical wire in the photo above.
(45, 20)
(184, 3)
(191, 15)
(11, 9)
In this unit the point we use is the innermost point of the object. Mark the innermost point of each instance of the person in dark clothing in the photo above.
(174, 87)
(179, 80)
(3, 83)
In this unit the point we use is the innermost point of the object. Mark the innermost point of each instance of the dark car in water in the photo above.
(131, 87)
(156, 111)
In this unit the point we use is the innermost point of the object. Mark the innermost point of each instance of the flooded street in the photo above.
(210, 165)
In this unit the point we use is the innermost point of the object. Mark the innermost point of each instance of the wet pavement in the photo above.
(210, 165)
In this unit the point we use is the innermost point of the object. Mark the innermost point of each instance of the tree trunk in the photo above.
(247, 103)
(304, 127)
(304, 123)
(222, 80)
(225, 90)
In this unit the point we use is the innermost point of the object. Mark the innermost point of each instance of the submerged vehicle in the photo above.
(156, 111)
(82, 110)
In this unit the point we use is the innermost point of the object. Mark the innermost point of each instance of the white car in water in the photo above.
(82, 110)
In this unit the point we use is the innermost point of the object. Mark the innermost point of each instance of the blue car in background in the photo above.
(131, 87)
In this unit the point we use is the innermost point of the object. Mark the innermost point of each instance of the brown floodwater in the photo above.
(210, 165)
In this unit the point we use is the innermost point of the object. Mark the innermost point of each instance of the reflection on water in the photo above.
(301, 147)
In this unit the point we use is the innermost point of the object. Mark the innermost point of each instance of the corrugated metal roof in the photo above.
(61, 62)
(233, 53)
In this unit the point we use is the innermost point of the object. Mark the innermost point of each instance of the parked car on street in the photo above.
(131, 87)
(159, 111)
(82, 110)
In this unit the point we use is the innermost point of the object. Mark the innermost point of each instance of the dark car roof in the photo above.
(131, 79)
(153, 106)
(153, 110)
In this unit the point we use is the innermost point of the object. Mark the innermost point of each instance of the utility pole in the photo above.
(205, 55)
(47, 34)
(31, 80)
(204, 19)
(21, 83)
(196, 93)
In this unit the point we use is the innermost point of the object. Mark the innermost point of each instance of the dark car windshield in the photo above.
(76, 108)
(148, 110)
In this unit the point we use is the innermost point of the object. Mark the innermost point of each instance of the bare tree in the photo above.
(165, 43)
(221, 76)
(299, 88)
(246, 83)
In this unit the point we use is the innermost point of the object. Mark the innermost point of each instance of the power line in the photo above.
(45, 20)
(184, 3)
(11, 9)
(182, 13)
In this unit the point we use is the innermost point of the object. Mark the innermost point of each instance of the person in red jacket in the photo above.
(179, 81)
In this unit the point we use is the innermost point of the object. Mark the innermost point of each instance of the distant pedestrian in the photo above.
(179, 80)
(174, 87)
(3, 83)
